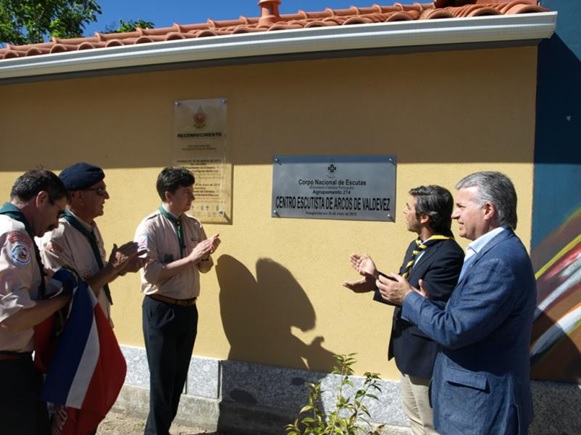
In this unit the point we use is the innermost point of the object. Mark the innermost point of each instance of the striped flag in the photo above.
(88, 369)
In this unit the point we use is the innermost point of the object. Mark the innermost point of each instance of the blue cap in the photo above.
(81, 176)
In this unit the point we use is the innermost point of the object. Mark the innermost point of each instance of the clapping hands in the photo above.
(365, 266)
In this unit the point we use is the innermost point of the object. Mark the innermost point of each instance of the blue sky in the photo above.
(163, 13)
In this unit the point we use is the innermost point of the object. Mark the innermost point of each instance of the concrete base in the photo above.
(256, 399)
(225, 417)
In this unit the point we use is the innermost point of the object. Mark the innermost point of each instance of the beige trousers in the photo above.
(416, 404)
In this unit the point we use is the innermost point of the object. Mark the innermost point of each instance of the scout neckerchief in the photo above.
(177, 223)
(14, 212)
(421, 247)
(92, 239)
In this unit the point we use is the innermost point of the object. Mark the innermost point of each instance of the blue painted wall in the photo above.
(556, 240)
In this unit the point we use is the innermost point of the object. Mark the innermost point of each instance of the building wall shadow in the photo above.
(257, 316)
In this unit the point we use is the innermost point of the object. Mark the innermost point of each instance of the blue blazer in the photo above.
(439, 267)
(481, 381)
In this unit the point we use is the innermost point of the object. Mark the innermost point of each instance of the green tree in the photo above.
(129, 26)
(33, 21)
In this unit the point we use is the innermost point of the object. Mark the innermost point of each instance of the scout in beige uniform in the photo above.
(66, 246)
(77, 242)
(38, 197)
(177, 250)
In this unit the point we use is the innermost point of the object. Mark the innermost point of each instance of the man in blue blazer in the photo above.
(436, 258)
(481, 381)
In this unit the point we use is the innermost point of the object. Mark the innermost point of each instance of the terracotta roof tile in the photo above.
(434, 14)
(271, 20)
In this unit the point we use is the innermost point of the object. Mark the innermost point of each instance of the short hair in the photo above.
(29, 184)
(172, 178)
(496, 188)
(437, 203)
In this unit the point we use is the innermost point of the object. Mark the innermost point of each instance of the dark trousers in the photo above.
(21, 411)
(169, 332)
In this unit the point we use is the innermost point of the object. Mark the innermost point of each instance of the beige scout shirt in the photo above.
(67, 246)
(19, 281)
(157, 235)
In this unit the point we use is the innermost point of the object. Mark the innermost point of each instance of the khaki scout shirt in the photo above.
(157, 235)
(19, 281)
(67, 246)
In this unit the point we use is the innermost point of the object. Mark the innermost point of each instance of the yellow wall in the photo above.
(278, 282)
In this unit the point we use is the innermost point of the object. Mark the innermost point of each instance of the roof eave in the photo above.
(424, 33)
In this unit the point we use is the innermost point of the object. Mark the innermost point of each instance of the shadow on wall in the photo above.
(258, 314)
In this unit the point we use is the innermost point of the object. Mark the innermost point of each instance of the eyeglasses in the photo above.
(101, 191)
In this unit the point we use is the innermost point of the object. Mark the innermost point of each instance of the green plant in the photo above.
(350, 412)
(129, 26)
(32, 21)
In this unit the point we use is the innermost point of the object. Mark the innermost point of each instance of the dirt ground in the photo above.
(118, 423)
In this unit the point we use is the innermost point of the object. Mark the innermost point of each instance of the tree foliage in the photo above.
(33, 21)
(129, 26)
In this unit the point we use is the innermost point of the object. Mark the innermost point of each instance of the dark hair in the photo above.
(437, 203)
(496, 188)
(29, 184)
(172, 178)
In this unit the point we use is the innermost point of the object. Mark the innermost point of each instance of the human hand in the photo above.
(123, 255)
(363, 264)
(363, 285)
(215, 242)
(48, 273)
(62, 282)
(393, 288)
(204, 249)
(422, 290)
(135, 263)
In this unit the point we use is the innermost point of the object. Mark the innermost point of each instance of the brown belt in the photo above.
(4, 356)
(172, 301)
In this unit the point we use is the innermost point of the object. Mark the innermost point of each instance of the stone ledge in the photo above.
(232, 395)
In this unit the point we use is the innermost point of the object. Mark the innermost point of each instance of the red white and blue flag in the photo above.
(88, 368)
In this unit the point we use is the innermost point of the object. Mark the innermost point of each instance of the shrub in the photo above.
(349, 416)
